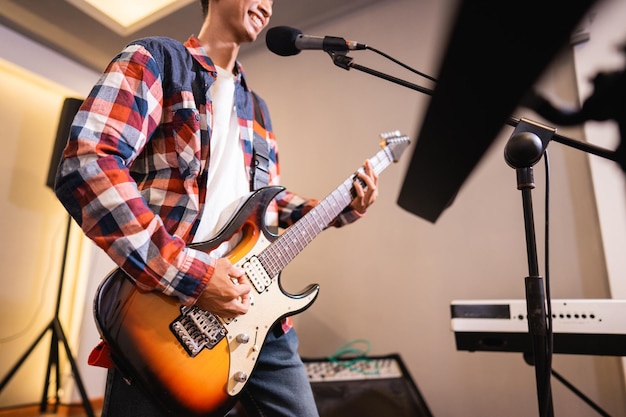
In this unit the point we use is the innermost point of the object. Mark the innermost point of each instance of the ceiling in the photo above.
(67, 29)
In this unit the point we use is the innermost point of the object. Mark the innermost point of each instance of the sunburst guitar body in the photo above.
(190, 360)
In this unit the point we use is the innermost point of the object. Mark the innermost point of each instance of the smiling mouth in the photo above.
(258, 22)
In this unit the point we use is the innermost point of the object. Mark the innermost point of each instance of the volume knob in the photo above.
(243, 338)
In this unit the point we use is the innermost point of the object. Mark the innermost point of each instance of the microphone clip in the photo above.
(341, 59)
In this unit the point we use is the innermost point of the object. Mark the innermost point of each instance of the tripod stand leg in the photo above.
(580, 394)
(53, 360)
(24, 357)
(58, 330)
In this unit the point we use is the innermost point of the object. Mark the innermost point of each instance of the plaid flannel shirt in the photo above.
(133, 174)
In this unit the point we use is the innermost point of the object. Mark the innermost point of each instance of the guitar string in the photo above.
(272, 259)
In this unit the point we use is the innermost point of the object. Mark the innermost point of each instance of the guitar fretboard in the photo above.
(288, 245)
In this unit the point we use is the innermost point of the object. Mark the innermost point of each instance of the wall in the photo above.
(389, 278)
(604, 53)
(33, 85)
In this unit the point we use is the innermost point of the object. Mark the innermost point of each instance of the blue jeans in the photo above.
(278, 387)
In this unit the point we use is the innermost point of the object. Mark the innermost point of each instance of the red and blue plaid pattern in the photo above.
(133, 173)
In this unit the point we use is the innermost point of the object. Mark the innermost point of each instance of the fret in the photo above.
(319, 224)
(295, 237)
(308, 234)
(289, 249)
(323, 213)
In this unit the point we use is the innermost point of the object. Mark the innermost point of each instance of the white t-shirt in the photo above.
(227, 181)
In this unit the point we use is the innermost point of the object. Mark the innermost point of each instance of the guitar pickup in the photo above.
(197, 329)
(257, 274)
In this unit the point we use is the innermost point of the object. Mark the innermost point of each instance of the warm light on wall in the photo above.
(35, 229)
(126, 17)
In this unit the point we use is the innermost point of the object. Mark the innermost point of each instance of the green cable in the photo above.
(360, 356)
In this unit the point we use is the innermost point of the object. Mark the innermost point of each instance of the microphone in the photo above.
(287, 41)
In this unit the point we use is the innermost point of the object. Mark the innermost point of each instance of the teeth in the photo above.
(257, 21)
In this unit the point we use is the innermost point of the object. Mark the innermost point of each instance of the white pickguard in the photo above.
(246, 333)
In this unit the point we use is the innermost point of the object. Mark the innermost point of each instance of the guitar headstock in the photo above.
(395, 142)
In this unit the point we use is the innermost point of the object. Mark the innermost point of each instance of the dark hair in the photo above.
(205, 7)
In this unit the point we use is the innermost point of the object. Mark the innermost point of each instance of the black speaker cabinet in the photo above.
(377, 386)
(68, 111)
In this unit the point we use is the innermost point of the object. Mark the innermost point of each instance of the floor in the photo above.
(76, 410)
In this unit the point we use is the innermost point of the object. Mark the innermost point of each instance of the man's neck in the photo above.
(222, 51)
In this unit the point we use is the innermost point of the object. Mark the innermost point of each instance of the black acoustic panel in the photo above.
(495, 53)
(68, 111)
(354, 390)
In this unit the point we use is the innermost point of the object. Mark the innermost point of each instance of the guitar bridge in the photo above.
(197, 329)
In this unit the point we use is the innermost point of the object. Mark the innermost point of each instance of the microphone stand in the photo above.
(344, 61)
(525, 148)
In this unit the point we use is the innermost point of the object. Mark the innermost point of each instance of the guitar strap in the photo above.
(260, 175)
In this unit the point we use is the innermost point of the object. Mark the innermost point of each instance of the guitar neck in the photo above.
(288, 245)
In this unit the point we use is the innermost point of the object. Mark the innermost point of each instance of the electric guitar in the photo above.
(192, 361)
